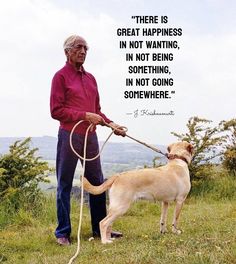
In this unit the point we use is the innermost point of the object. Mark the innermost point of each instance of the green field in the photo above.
(209, 236)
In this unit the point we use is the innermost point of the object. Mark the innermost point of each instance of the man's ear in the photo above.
(190, 148)
(67, 51)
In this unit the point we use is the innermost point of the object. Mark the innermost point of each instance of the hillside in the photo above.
(116, 153)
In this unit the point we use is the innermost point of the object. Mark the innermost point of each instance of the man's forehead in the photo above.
(80, 41)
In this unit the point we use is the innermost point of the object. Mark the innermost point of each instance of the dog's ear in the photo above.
(169, 148)
(190, 148)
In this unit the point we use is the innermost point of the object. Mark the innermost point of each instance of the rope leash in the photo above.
(137, 140)
(82, 189)
(84, 159)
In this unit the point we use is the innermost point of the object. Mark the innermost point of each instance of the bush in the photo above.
(20, 173)
(207, 142)
(229, 157)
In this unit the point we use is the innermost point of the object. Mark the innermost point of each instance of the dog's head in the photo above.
(183, 149)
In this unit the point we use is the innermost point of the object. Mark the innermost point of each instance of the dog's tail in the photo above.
(98, 189)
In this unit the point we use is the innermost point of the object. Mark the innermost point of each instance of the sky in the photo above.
(203, 69)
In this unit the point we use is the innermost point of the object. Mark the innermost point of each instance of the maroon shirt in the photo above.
(73, 93)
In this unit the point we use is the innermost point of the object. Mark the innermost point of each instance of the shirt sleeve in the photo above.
(58, 108)
(98, 110)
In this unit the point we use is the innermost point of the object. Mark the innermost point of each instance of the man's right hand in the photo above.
(94, 118)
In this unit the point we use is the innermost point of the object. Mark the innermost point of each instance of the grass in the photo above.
(209, 236)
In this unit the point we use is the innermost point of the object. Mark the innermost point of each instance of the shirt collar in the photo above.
(71, 68)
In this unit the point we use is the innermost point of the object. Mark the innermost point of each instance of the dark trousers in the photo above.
(65, 168)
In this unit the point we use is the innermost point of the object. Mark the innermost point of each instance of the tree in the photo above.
(207, 143)
(229, 157)
(20, 173)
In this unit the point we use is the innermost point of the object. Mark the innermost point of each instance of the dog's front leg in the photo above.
(164, 210)
(178, 207)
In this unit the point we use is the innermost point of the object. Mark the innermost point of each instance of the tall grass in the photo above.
(219, 186)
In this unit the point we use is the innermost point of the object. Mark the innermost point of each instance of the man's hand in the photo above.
(94, 118)
(118, 130)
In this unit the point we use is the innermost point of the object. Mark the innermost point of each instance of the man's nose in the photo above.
(83, 50)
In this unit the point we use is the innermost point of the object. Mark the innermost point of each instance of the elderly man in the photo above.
(74, 97)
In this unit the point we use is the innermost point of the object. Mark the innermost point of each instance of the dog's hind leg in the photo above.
(178, 207)
(105, 226)
(109, 229)
(106, 223)
(164, 210)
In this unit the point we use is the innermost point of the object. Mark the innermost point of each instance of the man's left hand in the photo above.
(118, 130)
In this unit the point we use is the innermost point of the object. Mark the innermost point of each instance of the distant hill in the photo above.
(46, 145)
(116, 153)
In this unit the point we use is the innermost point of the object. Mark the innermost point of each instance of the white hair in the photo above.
(71, 40)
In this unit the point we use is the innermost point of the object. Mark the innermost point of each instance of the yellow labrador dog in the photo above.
(166, 183)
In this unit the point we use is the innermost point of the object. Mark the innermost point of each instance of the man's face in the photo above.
(77, 54)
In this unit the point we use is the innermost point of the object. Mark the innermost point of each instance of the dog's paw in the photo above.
(107, 241)
(176, 231)
(163, 230)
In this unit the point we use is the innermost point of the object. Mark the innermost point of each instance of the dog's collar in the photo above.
(175, 156)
